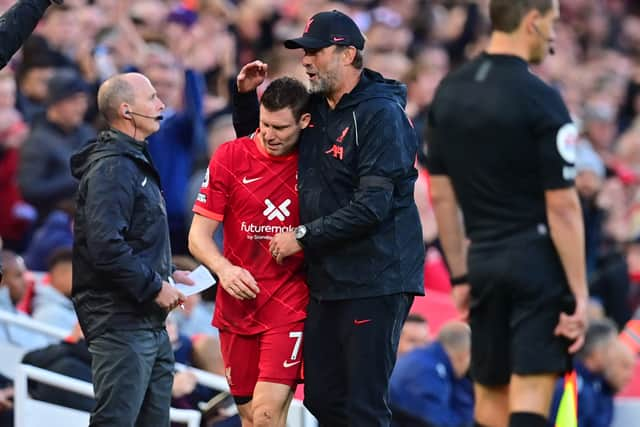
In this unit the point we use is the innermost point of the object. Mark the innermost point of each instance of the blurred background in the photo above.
(191, 50)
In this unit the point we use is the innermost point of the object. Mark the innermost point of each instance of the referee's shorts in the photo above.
(518, 290)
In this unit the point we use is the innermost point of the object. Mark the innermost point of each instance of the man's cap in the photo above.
(328, 28)
(64, 84)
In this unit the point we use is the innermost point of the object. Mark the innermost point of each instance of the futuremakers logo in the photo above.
(281, 211)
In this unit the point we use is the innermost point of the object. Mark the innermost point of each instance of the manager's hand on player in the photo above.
(238, 282)
(574, 326)
(251, 76)
(283, 245)
(169, 297)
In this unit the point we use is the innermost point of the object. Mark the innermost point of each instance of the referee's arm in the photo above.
(17, 23)
(564, 215)
(450, 227)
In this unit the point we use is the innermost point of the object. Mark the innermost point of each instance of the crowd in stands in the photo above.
(192, 50)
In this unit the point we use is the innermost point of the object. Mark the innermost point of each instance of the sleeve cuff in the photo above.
(315, 231)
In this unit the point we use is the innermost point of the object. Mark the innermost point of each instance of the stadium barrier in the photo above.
(11, 356)
(31, 413)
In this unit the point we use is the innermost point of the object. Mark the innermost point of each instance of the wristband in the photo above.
(459, 280)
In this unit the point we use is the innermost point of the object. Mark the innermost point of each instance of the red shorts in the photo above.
(273, 356)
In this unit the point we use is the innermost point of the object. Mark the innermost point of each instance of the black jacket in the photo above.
(356, 179)
(17, 24)
(121, 250)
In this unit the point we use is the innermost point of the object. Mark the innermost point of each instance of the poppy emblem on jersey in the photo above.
(567, 141)
(281, 211)
(306, 28)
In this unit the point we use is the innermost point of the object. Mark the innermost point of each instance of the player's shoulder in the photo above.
(540, 92)
(233, 148)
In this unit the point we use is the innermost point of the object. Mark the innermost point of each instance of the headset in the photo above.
(135, 126)
(158, 117)
(549, 40)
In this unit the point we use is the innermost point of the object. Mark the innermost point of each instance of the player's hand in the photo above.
(462, 299)
(238, 282)
(169, 297)
(182, 276)
(251, 76)
(574, 326)
(284, 245)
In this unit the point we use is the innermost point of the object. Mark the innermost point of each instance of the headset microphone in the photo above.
(552, 50)
(159, 117)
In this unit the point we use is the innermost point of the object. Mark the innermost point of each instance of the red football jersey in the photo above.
(255, 195)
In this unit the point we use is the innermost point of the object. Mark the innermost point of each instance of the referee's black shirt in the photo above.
(503, 137)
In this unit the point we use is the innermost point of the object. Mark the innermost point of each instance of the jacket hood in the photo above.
(372, 85)
(109, 143)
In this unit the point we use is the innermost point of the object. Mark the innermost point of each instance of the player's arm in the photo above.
(236, 281)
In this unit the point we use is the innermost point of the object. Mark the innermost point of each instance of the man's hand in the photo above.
(283, 245)
(462, 299)
(169, 297)
(238, 282)
(574, 326)
(182, 276)
(251, 76)
(6, 399)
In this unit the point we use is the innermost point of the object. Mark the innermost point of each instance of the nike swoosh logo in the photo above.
(246, 180)
(288, 365)
(338, 39)
(144, 182)
(361, 322)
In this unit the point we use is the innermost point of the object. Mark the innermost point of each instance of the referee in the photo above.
(17, 23)
(501, 145)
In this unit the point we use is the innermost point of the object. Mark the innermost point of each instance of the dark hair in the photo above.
(415, 318)
(358, 60)
(59, 256)
(286, 92)
(506, 15)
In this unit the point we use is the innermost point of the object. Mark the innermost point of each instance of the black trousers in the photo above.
(349, 352)
(132, 378)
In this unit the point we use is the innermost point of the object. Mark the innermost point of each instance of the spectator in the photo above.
(6, 402)
(16, 216)
(415, 334)
(12, 290)
(56, 233)
(595, 397)
(181, 138)
(52, 303)
(430, 385)
(606, 265)
(44, 175)
(622, 362)
(70, 358)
